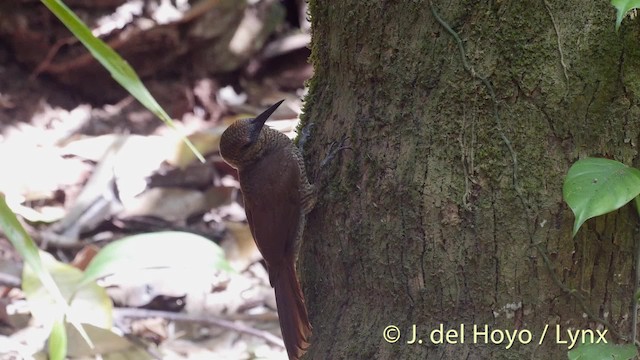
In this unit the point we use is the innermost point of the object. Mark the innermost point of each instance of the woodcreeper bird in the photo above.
(277, 196)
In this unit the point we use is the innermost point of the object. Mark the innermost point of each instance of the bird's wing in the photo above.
(273, 207)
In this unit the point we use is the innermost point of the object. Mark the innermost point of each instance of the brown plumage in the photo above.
(277, 197)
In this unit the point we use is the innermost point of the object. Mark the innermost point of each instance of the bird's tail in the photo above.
(292, 313)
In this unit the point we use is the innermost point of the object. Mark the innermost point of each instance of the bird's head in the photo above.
(241, 142)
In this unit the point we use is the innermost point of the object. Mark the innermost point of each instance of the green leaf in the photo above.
(19, 238)
(27, 249)
(119, 69)
(58, 341)
(603, 351)
(30, 253)
(90, 305)
(108, 345)
(596, 186)
(156, 250)
(623, 7)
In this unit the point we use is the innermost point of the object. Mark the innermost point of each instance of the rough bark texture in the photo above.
(432, 219)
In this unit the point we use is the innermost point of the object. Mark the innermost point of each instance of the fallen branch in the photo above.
(198, 319)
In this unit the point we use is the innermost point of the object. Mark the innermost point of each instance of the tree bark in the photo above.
(448, 210)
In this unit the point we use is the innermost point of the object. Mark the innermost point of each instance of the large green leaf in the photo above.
(156, 250)
(603, 351)
(119, 69)
(623, 7)
(596, 186)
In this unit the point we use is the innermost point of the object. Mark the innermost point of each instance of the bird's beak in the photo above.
(259, 120)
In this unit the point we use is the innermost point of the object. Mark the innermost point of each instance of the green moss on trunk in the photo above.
(426, 222)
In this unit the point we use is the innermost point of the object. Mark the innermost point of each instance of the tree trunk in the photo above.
(449, 204)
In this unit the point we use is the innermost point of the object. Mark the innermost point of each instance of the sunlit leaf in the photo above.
(119, 69)
(603, 351)
(156, 250)
(20, 239)
(597, 186)
(90, 305)
(25, 246)
(58, 341)
(108, 345)
(623, 7)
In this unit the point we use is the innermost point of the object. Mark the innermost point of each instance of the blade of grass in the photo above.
(58, 341)
(119, 69)
(25, 246)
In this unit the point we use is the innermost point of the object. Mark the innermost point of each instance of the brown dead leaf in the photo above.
(84, 256)
(240, 248)
(171, 204)
(206, 141)
(152, 329)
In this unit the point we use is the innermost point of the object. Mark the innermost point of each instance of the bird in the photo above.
(277, 197)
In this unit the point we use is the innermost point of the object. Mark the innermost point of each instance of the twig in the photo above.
(574, 293)
(53, 51)
(494, 100)
(555, 26)
(198, 10)
(198, 319)
(10, 280)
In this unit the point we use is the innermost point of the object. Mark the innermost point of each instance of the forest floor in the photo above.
(83, 165)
